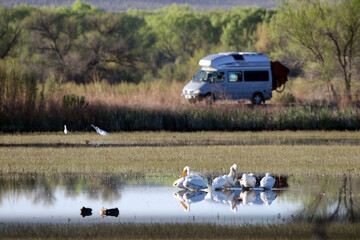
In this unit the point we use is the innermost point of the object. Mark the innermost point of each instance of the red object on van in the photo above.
(279, 74)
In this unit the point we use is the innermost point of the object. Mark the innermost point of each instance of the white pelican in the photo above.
(65, 130)
(268, 197)
(267, 182)
(100, 131)
(191, 181)
(225, 181)
(248, 180)
(179, 183)
(195, 183)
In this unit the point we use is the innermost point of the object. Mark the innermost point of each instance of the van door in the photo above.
(235, 84)
(256, 80)
(219, 87)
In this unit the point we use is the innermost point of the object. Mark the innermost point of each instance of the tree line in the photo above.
(123, 5)
(83, 43)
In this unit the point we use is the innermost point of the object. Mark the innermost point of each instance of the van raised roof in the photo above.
(235, 59)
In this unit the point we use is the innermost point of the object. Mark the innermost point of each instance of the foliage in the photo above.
(286, 98)
(84, 44)
(326, 33)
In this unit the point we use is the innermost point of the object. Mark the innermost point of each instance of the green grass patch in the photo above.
(181, 231)
(206, 152)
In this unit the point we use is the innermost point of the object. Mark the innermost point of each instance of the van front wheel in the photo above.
(257, 98)
(209, 98)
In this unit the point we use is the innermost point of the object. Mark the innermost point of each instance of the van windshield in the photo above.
(203, 76)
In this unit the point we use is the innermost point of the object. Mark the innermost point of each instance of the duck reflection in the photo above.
(84, 212)
(113, 212)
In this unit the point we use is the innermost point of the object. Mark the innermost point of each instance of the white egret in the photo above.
(190, 181)
(267, 182)
(100, 131)
(225, 181)
(248, 180)
(65, 130)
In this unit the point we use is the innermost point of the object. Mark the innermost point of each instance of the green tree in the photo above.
(327, 33)
(239, 27)
(53, 36)
(10, 31)
(111, 42)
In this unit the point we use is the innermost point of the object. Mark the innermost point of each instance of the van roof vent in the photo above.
(238, 57)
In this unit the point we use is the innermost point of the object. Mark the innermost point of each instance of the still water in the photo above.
(34, 199)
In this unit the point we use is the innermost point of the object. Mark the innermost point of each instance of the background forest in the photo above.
(79, 64)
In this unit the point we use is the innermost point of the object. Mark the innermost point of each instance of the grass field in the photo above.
(182, 231)
(166, 153)
(163, 155)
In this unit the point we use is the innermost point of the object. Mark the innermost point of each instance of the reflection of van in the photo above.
(231, 76)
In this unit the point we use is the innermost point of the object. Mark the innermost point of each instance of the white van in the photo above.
(236, 76)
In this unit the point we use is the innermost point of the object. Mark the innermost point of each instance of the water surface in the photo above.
(36, 199)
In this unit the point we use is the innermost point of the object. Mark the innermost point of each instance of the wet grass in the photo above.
(181, 231)
(166, 153)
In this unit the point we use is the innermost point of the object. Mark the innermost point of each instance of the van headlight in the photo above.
(197, 91)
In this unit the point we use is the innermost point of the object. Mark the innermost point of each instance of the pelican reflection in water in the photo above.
(229, 197)
(225, 197)
(187, 197)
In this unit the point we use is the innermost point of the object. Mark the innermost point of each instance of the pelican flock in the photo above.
(194, 182)
(226, 189)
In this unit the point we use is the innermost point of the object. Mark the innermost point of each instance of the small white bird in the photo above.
(248, 180)
(267, 182)
(65, 130)
(100, 131)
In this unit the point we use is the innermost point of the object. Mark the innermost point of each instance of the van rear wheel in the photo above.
(257, 98)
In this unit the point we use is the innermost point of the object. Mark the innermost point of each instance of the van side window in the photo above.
(220, 77)
(256, 76)
(234, 76)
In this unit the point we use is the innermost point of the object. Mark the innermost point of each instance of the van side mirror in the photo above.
(212, 80)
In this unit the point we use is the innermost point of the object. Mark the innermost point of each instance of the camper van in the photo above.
(231, 76)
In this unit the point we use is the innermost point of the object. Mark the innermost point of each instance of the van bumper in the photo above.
(193, 96)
